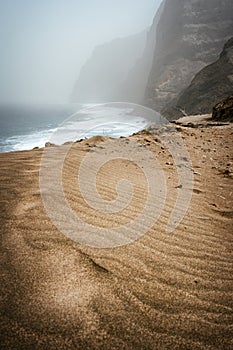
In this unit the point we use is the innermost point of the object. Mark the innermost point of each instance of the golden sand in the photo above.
(160, 292)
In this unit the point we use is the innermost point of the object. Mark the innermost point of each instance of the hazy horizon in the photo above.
(44, 44)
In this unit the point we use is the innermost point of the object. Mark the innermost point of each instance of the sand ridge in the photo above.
(160, 292)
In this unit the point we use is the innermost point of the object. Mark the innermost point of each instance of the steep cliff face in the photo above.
(102, 76)
(212, 84)
(134, 85)
(190, 35)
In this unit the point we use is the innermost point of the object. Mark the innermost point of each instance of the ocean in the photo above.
(23, 127)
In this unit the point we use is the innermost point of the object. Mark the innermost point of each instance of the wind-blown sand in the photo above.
(160, 292)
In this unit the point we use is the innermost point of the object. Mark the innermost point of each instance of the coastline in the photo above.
(161, 291)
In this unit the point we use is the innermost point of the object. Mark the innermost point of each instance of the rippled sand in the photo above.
(160, 292)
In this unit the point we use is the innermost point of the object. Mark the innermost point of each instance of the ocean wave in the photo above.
(112, 120)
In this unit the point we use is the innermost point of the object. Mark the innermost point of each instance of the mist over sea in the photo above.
(23, 127)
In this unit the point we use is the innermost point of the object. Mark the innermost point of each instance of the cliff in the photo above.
(212, 84)
(134, 85)
(190, 35)
(102, 77)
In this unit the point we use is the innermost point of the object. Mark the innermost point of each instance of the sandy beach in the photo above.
(162, 291)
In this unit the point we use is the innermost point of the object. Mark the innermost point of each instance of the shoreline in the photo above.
(161, 291)
(193, 120)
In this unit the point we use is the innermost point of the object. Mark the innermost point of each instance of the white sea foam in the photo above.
(113, 120)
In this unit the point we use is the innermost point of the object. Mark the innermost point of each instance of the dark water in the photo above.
(25, 127)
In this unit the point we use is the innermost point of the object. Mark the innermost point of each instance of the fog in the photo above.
(45, 43)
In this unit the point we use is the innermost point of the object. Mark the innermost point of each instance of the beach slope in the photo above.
(162, 291)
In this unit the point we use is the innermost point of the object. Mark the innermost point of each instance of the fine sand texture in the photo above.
(162, 291)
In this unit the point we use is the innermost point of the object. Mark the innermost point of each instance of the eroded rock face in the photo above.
(223, 111)
(211, 85)
(190, 35)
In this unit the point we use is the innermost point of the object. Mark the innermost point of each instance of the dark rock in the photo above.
(223, 111)
(180, 186)
(190, 35)
(212, 84)
(226, 172)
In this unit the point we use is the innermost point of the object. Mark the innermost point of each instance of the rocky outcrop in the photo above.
(190, 35)
(212, 84)
(223, 111)
(102, 77)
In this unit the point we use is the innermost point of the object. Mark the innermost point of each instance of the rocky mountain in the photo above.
(212, 84)
(134, 85)
(190, 35)
(102, 77)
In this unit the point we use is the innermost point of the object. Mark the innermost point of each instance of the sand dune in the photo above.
(163, 291)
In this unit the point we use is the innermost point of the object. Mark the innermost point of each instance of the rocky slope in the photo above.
(190, 35)
(223, 111)
(102, 76)
(210, 85)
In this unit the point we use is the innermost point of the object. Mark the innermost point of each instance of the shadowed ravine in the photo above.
(161, 292)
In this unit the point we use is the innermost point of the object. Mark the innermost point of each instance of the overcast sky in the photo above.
(44, 43)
